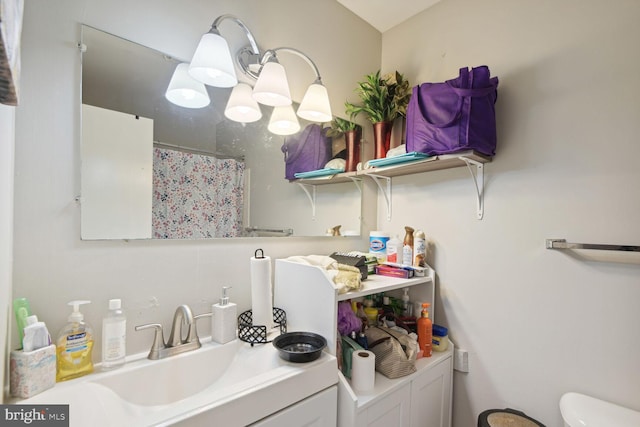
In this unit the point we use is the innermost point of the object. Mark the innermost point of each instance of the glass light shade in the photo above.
(212, 63)
(272, 87)
(283, 121)
(241, 107)
(184, 91)
(315, 104)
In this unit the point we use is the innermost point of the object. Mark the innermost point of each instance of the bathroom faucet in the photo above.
(176, 345)
(182, 316)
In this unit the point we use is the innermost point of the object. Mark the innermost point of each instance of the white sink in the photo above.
(232, 385)
(169, 380)
(579, 410)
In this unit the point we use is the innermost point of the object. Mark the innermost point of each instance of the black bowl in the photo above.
(300, 347)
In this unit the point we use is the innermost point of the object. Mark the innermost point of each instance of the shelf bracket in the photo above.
(385, 192)
(311, 195)
(478, 181)
(358, 182)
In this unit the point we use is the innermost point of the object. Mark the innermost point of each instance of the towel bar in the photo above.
(563, 244)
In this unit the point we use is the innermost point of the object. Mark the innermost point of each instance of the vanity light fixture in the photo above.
(212, 64)
(283, 121)
(184, 91)
(241, 106)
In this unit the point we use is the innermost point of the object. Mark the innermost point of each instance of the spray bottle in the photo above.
(407, 247)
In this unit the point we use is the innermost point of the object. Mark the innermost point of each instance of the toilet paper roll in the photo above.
(261, 291)
(363, 370)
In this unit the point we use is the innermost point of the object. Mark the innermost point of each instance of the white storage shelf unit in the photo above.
(310, 300)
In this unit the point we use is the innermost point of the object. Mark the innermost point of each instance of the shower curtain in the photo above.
(196, 196)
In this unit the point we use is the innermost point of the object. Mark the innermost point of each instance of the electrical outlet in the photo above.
(461, 360)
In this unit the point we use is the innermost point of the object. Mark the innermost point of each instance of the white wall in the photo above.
(52, 264)
(7, 137)
(537, 322)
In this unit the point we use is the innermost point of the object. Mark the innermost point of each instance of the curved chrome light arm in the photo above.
(252, 39)
(272, 52)
(269, 55)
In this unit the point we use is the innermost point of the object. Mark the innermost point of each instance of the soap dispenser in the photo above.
(223, 319)
(74, 346)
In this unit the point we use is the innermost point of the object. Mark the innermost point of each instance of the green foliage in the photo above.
(383, 98)
(339, 126)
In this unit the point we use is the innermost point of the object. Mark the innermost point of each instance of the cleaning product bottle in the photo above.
(114, 336)
(22, 311)
(419, 249)
(425, 331)
(223, 319)
(392, 249)
(74, 346)
(36, 334)
(407, 247)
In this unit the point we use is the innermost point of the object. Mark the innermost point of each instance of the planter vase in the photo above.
(382, 138)
(352, 140)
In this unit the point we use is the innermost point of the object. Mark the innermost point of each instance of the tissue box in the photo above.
(32, 372)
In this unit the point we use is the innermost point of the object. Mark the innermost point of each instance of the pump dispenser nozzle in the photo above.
(225, 298)
(76, 316)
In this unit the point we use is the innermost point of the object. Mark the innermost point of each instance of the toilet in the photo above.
(579, 410)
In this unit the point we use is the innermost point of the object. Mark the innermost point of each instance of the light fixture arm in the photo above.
(272, 52)
(252, 39)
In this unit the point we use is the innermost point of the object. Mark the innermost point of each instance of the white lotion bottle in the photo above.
(114, 336)
(223, 319)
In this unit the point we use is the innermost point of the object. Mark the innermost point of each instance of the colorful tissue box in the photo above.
(32, 372)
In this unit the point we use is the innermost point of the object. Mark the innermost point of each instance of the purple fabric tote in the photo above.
(306, 151)
(453, 116)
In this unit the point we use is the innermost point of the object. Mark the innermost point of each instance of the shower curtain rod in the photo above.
(193, 151)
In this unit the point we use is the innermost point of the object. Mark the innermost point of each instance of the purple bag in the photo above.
(306, 151)
(453, 116)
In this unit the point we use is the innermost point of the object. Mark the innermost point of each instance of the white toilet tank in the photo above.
(579, 410)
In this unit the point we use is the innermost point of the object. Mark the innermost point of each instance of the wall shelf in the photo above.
(309, 185)
(469, 159)
(382, 176)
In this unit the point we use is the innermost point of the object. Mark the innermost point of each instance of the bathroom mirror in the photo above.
(122, 77)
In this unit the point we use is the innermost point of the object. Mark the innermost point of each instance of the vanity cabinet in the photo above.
(423, 398)
(318, 410)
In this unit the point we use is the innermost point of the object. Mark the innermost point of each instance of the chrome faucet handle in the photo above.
(193, 333)
(158, 339)
(182, 315)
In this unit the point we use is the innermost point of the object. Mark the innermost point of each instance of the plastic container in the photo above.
(22, 311)
(393, 246)
(378, 245)
(372, 315)
(74, 346)
(114, 336)
(407, 308)
(425, 331)
(440, 339)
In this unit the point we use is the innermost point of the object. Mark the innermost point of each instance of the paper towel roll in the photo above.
(261, 292)
(363, 370)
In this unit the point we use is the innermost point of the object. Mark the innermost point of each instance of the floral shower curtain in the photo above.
(196, 196)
